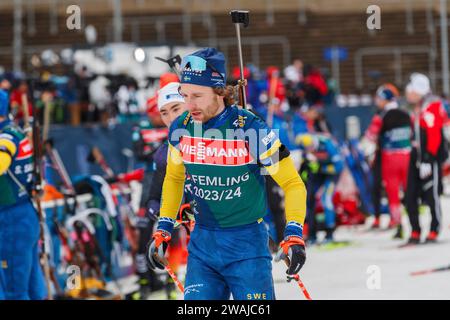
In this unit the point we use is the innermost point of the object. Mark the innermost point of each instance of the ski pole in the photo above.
(174, 278)
(296, 277)
(169, 270)
(423, 272)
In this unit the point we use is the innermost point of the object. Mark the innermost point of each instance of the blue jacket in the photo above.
(328, 155)
(21, 170)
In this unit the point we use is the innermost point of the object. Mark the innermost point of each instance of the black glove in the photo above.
(156, 249)
(293, 250)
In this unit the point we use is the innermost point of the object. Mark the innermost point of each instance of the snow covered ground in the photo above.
(350, 272)
(343, 273)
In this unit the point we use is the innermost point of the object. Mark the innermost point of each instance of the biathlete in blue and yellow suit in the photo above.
(21, 277)
(226, 151)
(325, 164)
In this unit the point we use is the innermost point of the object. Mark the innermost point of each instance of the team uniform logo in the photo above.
(185, 121)
(154, 135)
(269, 138)
(194, 67)
(239, 122)
(25, 149)
(221, 152)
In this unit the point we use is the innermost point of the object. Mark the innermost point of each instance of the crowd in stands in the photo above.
(78, 96)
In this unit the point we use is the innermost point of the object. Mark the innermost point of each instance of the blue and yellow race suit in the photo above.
(226, 160)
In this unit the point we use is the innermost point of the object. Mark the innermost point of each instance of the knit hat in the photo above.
(205, 67)
(419, 83)
(168, 94)
(387, 92)
(167, 78)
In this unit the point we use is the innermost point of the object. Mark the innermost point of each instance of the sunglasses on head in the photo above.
(198, 64)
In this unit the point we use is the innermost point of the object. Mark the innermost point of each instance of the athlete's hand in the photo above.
(425, 170)
(293, 250)
(157, 248)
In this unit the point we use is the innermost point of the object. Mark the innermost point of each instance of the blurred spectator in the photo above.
(236, 73)
(20, 97)
(314, 86)
(256, 86)
(316, 120)
(100, 98)
(294, 72)
(83, 77)
(49, 98)
(127, 102)
(67, 91)
(275, 88)
(4, 84)
(333, 90)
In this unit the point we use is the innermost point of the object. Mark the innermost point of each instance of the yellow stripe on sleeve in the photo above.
(5, 157)
(8, 144)
(287, 177)
(173, 186)
(273, 149)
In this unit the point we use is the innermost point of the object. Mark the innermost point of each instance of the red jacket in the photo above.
(16, 97)
(430, 124)
(316, 80)
(374, 128)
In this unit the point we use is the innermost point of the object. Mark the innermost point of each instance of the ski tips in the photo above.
(419, 273)
(423, 272)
